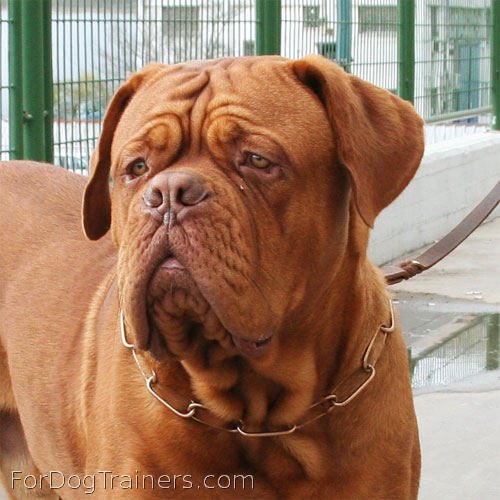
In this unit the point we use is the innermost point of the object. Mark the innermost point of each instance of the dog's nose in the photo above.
(173, 192)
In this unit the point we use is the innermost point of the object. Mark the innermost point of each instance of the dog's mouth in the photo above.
(172, 263)
(173, 297)
(251, 348)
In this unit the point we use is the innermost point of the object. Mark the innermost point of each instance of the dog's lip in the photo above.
(172, 262)
(251, 347)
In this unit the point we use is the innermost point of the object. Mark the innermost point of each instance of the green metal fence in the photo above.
(454, 59)
(467, 351)
(442, 55)
(5, 149)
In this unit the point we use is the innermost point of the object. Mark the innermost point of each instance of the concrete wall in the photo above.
(454, 176)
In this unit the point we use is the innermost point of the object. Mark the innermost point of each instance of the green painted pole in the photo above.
(493, 342)
(344, 36)
(15, 82)
(268, 27)
(406, 49)
(48, 100)
(33, 81)
(495, 63)
(411, 362)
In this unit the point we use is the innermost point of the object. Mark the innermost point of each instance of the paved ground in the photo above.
(459, 423)
(460, 438)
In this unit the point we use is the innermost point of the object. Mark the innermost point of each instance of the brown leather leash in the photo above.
(395, 273)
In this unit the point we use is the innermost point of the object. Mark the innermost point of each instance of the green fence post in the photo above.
(15, 82)
(32, 64)
(344, 36)
(406, 49)
(495, 63)
(493, 342)
(48, 100)
(268, 27)
(411, 362)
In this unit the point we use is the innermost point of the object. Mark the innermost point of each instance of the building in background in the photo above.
(452, 46)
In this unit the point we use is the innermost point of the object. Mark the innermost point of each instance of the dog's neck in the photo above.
(312, 356)
(312, 353)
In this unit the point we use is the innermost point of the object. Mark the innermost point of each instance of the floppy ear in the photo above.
(96, 199)
(379, 136)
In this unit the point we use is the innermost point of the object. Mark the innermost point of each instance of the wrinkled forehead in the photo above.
(257, 91)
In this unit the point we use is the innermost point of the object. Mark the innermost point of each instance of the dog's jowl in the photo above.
(213, 328)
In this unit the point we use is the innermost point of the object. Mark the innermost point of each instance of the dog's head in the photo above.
(234, 185)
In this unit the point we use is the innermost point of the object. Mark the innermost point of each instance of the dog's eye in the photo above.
(139, 168)
(258, 161)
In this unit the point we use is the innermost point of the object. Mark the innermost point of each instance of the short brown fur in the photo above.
(277, 253)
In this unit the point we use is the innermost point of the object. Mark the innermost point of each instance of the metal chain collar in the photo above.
(328, 403)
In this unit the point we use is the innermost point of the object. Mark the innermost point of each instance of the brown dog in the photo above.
(242, 195)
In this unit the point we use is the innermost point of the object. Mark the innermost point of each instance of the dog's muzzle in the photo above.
(171, 195)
